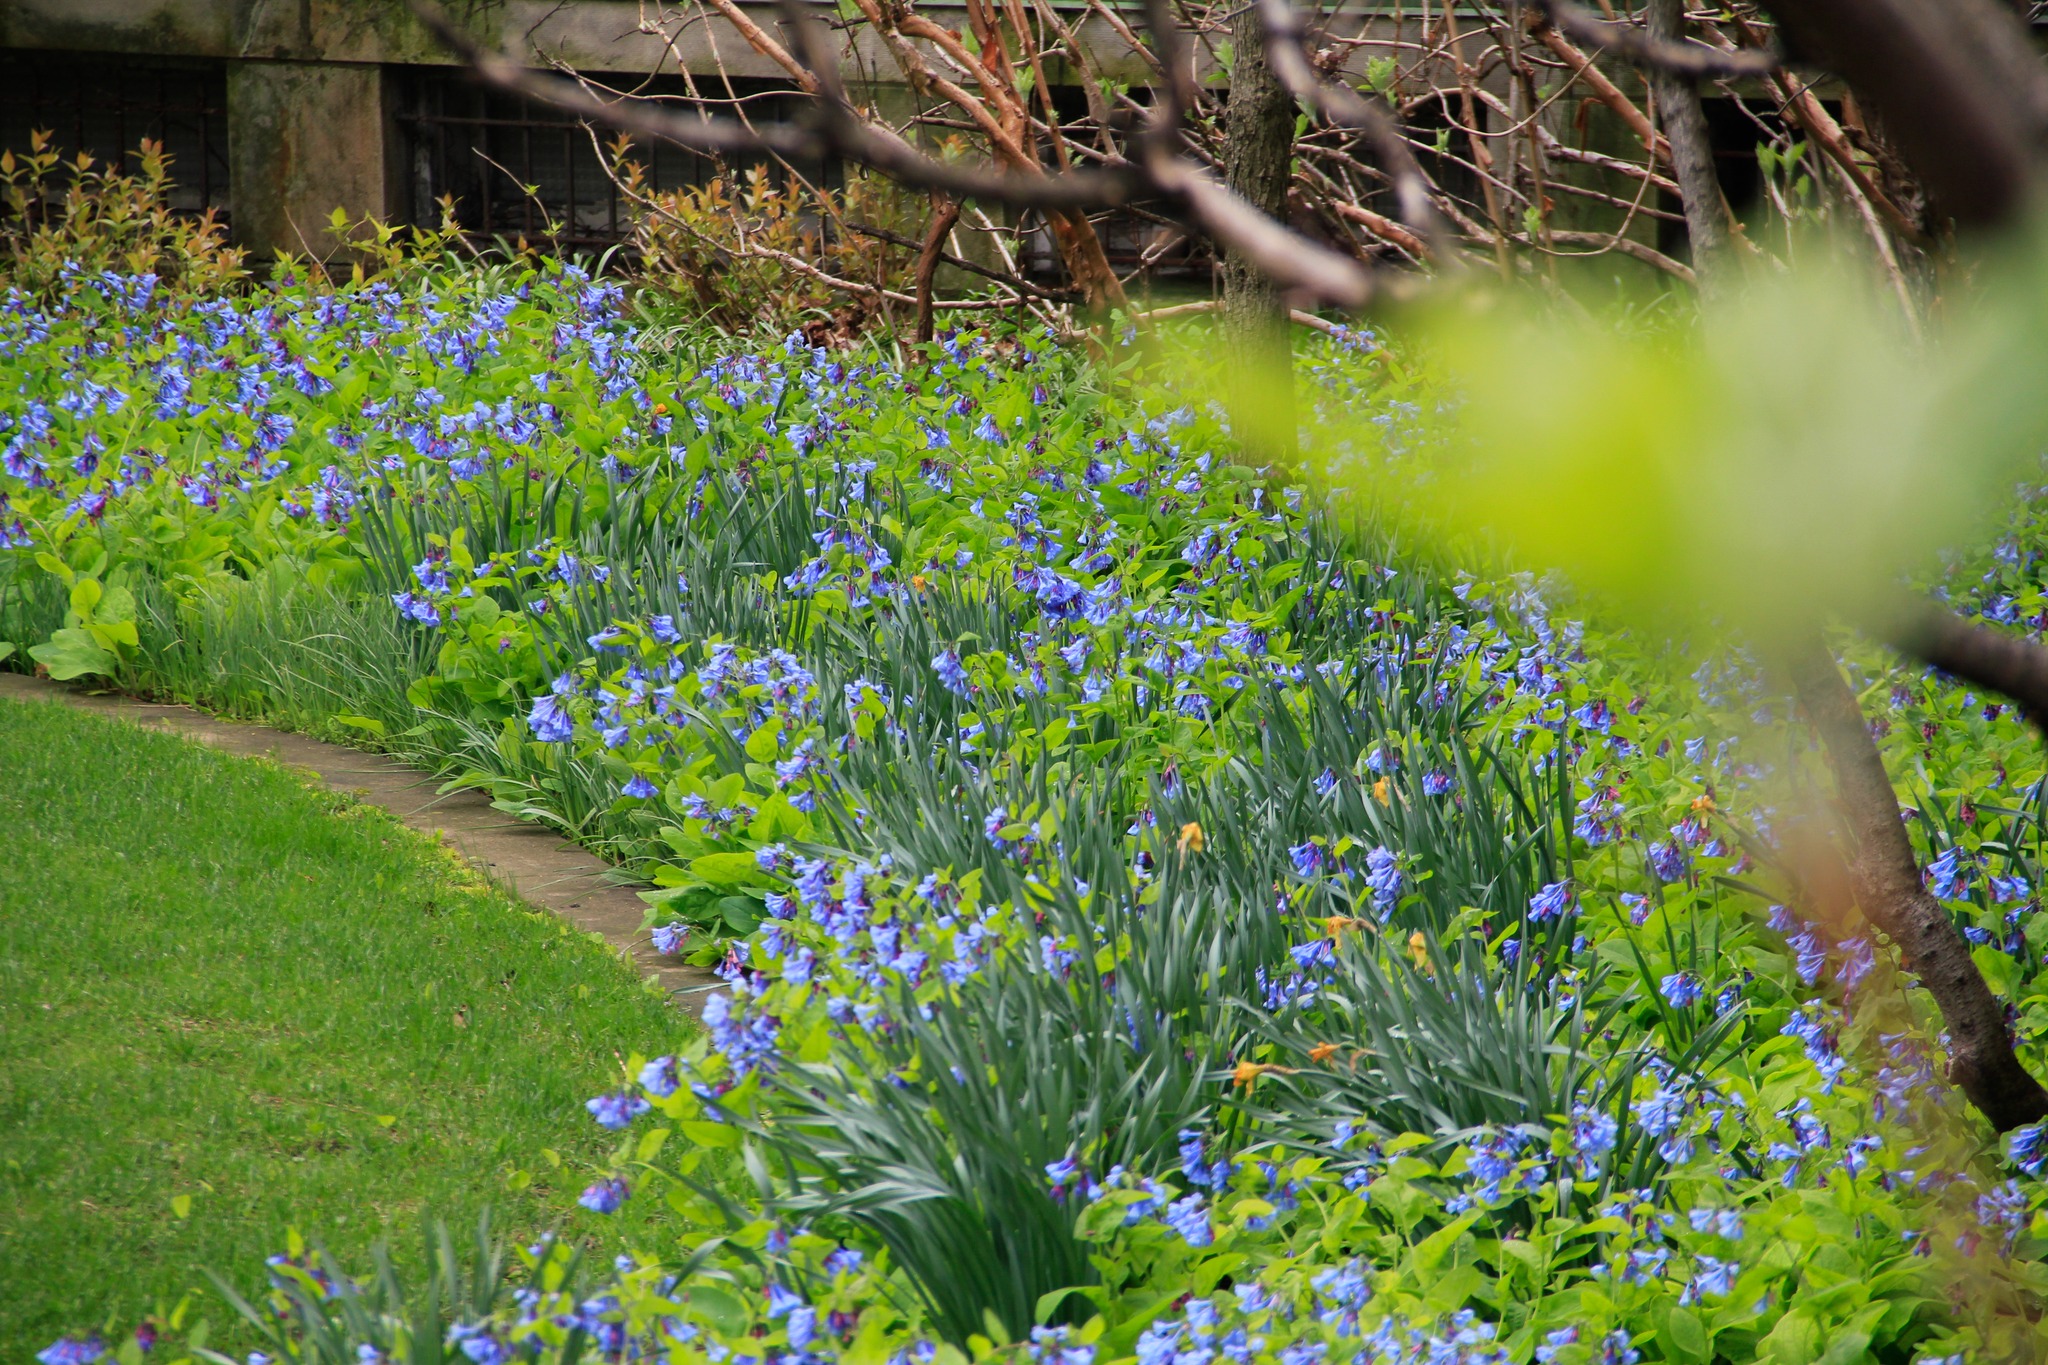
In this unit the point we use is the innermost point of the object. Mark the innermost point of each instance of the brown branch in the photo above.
(1627, 246)
(1692, 152)
(1285, 40)
(1559, 151)
(1802, 108)
(1201, 306)
(2010, 665)
(1381, 226)
(1693, 61)
(945, 213)
(1888, 887)
(1606, 91)
(1008, 281)
(760, 40)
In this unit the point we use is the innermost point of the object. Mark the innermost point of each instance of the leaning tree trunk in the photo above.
(1889, 889)
(1692, 150)
(1258, 162)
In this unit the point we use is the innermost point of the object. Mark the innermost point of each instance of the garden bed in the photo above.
(1162, 919)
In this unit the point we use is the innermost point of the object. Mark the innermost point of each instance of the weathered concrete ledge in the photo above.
(534, 863)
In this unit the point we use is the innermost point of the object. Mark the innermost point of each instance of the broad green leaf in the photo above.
(1790, 449)
(721, 1307)
(116, 605)
(1431, 1250)
(73, 653)
(85, 595)
(1687, 1335)
(765, 743)
(726, 869)
(707, 1134)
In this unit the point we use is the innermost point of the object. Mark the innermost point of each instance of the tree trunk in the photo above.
(1888, 887)
(945, 213)
(1692, 151)
(1258, 162)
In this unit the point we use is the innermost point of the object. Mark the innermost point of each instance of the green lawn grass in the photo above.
(220, 984)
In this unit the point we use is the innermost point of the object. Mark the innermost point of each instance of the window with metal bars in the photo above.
(517, 169)
(106, 104)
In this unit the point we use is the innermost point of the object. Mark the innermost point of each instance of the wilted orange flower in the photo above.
(1379, 792)
(1191, 838)
(1703, 803)
(1247, 1072)
(1322, 1052)
(1418, 948)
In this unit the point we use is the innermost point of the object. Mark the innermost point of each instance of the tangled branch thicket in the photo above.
(1519, 136)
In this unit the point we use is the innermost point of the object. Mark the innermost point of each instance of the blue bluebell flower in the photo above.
(616, 1111)
(606, 1196)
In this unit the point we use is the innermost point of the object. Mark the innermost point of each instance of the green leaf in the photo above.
(1431, 1250)
(73, 653)
(706, 1134)
(720, 1307)
(112, 637)
(1674, 468)
(1042, 1311)
(726, 869)
(1794, 1341)
(1687, 1335)
(765, 743)
(116, 604)
(743, 915)
(366, 723)
(778, 819)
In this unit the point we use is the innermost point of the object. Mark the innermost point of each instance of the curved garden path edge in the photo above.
(535, 863)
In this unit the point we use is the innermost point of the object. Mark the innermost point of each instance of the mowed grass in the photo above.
(221, 985)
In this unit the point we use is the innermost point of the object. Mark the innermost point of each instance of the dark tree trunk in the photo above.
(1888, 887)
(1258, 162)
(945, 213)
(1692, 151)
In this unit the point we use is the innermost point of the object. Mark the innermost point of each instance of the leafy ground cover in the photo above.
(1163, 919)
(237, 1006)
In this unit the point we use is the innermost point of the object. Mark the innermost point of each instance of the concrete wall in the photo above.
(303, 139)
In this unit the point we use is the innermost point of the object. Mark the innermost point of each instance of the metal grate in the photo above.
(517, 169)
(106, 105)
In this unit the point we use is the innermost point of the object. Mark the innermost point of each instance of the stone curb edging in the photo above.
(536, 864)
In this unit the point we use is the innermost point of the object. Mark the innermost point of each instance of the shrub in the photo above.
(63, 218)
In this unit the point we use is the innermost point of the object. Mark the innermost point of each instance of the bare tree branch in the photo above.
(2010, 665)
(1285, 38)
(1680, 57)
(945, 213)
(1160, 173)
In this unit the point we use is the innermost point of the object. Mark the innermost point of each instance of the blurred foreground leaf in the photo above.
(1786, 452)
